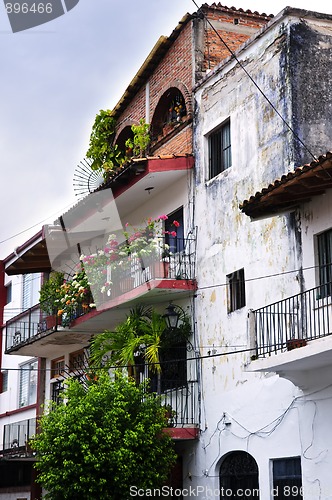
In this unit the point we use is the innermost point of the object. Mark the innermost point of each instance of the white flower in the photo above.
(92, 305)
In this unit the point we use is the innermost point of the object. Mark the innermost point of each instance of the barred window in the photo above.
(220, 151)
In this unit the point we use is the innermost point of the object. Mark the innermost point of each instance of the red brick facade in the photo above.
(193, 48)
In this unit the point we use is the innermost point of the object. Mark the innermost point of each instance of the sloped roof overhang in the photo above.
(291, 190)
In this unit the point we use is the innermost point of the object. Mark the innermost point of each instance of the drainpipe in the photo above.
(147, 102)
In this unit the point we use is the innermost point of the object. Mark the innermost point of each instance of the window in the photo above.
(175, 243)
(8, 293)
(220, 153)
(287, 478)
(4, 376)
(57, 390)
(28, 383)
(236, 290)
(57, 367)
(324, 247)
(27, 291)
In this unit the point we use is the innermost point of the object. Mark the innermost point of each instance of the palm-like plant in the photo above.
(143, 332)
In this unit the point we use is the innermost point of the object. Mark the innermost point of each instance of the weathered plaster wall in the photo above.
(311, 72)
(264, 411)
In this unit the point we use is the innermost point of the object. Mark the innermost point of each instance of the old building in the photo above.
(263, 264)
(234, 138)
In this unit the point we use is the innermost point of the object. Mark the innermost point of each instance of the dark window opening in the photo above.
(4, 381)
(287, 478)
(236, 290)
(324, 246)
(173, 364)
(174, 244)
(8, 293)
(239, 473)
(170, 111)
(220, 153)
(57, 390)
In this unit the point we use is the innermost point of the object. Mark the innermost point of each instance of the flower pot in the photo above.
(295, 343)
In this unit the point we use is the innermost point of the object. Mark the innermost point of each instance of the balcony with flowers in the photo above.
(149, 266)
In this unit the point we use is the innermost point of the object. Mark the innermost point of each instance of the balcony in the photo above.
(182, 402)
(158, 279)
(16, 437)
(294, 334)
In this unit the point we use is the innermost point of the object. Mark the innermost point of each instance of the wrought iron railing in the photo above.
(26, 325)
(293, 321)
(16, 437)
(181, 402)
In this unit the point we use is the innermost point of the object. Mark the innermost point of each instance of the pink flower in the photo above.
(163, 217)
(173, 233)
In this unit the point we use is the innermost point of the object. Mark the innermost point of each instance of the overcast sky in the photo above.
(55, 78)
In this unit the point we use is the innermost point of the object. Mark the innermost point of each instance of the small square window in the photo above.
(236, 290)
(220, 153)
(57, 367)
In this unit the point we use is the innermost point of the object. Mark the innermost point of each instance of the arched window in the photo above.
(239, 476)
(170, 111)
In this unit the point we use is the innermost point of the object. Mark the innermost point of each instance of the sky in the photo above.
(54, 80)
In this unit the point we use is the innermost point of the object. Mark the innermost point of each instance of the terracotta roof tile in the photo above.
(318, 174)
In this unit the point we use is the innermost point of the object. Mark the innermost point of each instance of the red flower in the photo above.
(176, 223)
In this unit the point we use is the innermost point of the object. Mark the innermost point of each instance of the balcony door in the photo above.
(175, 243)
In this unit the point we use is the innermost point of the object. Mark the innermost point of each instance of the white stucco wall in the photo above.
(260, 413)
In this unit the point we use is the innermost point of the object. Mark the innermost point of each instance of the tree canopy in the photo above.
(106, 437)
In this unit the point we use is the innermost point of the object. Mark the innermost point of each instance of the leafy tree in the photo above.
(104, 439)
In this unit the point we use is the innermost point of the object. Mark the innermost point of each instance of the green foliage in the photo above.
(142, 327)
(102, 441)
(141, 138)
(49, 292)
(106, 156)
(144, 331)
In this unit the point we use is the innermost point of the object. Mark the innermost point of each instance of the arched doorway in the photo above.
(238, 476)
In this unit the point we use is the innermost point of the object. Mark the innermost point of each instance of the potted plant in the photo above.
(295, 343)
(141, 140)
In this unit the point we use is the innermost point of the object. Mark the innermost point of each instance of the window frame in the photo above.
(9, 292)
(236, 290)
(280, 482)
(219, 149)
(323, 252)
(28, 389)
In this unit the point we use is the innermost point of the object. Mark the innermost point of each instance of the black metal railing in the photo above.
(164, 262)
(181, 403)
(293, 321)
(16, 437)
(29, 324)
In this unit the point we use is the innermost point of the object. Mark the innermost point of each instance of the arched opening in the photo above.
(238, 476)
(170, 111)
(126, 133)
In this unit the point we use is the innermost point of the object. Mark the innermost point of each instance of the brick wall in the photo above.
(235, 27)
(176, 68)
